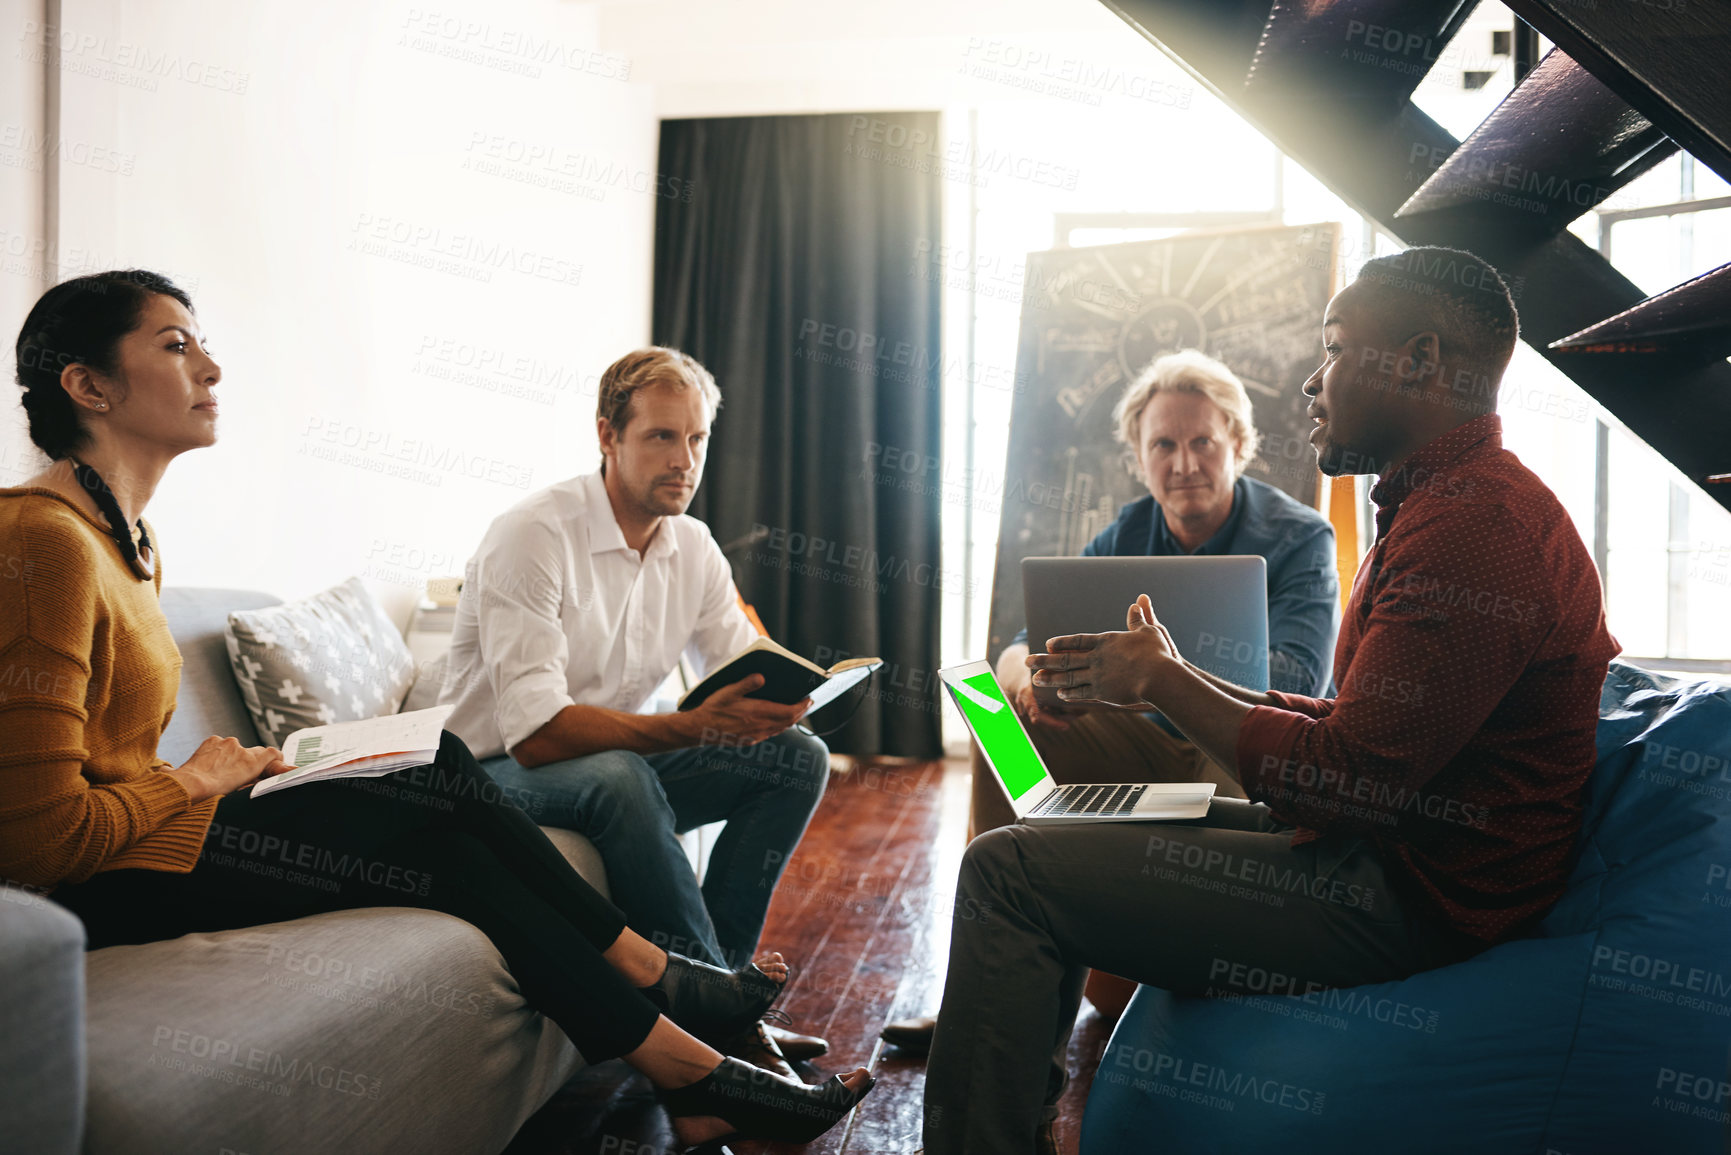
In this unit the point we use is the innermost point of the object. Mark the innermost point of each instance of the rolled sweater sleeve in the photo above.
(57, 824)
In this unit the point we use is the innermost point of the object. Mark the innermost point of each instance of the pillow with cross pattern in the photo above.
(333, 657)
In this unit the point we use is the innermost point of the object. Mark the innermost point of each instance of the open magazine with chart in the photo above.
(366, 748)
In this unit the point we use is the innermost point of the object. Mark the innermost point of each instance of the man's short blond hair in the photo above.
(656, 365)
(1190, 371)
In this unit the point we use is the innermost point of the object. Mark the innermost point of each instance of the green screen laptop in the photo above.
(1032, 793)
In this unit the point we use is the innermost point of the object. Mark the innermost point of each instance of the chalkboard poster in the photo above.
(1093, 318)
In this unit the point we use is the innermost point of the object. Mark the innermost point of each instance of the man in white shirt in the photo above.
(575, 608)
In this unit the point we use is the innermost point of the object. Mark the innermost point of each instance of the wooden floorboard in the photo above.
(863, 916)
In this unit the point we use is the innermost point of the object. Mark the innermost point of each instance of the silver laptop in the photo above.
(1023, 776)
(1215, 607)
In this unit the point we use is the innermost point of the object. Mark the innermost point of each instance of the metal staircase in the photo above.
(1330, 82)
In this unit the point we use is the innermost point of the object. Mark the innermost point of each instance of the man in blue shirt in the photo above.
(1187, 420)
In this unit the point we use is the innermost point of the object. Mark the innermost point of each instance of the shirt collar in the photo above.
(605, 536)
(1424, 464)
(1167, 544)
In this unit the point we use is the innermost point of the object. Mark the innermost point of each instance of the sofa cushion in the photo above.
(368, 1032)
(333, 657)
(581, 853)
(360, 1031)
(208, 701)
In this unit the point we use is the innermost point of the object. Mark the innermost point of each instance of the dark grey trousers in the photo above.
(1225, 904)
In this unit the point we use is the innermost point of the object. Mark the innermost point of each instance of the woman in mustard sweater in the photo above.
(118, 383)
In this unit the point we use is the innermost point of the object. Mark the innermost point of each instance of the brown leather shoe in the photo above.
(912, 1035)
(797, 1048)
(757, 1047)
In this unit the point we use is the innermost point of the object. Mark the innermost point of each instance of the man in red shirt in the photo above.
(1426, 812)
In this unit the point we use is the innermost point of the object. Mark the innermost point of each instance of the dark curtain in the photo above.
(789, 259)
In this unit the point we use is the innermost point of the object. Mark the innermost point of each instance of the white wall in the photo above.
(24, 153)
(760, 57)
(251, 150)
(413, 240)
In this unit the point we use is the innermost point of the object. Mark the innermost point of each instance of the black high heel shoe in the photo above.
(714, 1004)
(760, 1105)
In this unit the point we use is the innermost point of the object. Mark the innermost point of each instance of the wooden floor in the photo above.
(863, 915)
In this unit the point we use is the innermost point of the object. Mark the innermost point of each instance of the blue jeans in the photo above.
(633, 807)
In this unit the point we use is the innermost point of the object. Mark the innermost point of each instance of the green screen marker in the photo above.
(1002, 737)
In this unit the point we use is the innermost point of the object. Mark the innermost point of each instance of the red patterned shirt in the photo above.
(1469, 668)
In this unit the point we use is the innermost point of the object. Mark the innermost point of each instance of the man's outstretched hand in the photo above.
(1053, 715)
(1112, 668)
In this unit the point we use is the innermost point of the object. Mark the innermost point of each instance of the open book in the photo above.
(365, 749)
(787, 677)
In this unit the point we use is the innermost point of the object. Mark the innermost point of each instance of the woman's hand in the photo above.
(222, 765)
(1111, 668)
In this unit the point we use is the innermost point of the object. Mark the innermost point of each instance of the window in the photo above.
(1140, 170)
(1663, 545)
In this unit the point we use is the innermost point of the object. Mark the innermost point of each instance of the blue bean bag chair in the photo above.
(1608, 1030)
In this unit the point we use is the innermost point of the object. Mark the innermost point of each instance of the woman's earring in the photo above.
(102, 404)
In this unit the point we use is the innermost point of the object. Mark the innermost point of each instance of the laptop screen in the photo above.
(999, 732)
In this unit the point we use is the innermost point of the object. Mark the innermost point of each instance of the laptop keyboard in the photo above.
(1099, 801)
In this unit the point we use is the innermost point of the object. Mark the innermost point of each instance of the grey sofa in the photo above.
(357, 1032)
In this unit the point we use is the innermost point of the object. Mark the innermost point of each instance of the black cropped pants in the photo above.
(442, 837)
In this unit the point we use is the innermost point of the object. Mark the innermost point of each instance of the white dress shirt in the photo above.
(557, 610)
